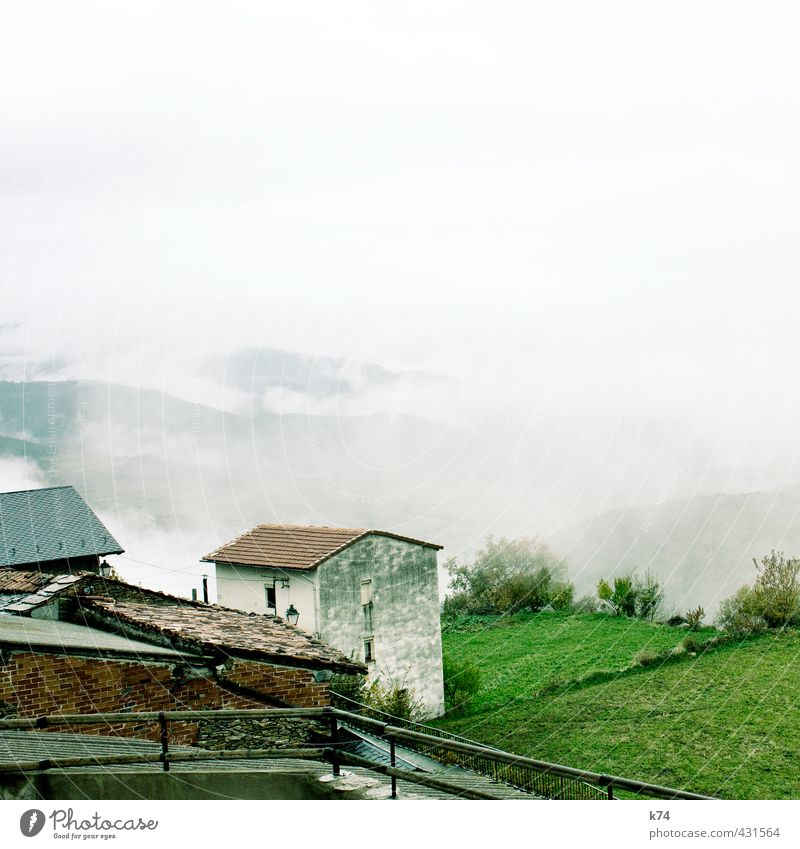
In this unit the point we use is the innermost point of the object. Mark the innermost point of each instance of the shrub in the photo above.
(777, 589)
(691, 645)
(507, 576)
(632, 595)
(645, 657)
(462, 682)
(349, 686)
(585, 604)
(741, 613)
(394, 699)
(694, 618)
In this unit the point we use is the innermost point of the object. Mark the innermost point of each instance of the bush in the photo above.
(507, 576)
(645, 657)
(694, 618)
(777, 589)
(632, 595)
(585, 604)
(740, 614)
(772, 602)
(462, 682)
(394, 699)
(349, 686)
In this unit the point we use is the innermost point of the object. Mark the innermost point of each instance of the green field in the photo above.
(725, 723)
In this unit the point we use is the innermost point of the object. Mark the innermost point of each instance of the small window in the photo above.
(369, 650)
(366, 591)
(368, 629)
(269, 589)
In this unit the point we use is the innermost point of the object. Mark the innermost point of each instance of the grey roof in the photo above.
(43, 633)
(37, 525)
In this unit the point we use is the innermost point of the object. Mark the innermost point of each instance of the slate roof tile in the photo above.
(38, 525)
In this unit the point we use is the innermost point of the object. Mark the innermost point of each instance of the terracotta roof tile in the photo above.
(212, 627)
(294, 546)
(14, 581)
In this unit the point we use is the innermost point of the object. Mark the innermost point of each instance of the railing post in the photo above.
(611, 790)
(335, 743)
(393, 762)
(164, 728)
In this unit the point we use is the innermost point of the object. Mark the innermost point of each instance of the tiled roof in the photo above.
(45, 588)
(16, 581)
(209, 628)
(37, 525)
(294, 546)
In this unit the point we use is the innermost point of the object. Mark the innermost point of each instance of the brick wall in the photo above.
(37, 684)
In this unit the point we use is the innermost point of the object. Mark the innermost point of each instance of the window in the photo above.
(366, 591)
(366, 604)
(269, 589)
(369, 650)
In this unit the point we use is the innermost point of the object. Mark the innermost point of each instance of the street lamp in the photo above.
(292, 614)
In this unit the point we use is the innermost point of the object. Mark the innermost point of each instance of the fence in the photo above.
(546, 780)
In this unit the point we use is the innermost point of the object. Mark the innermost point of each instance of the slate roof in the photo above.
(209, 628)
(38, 525)
(39, 634)
(295, 546)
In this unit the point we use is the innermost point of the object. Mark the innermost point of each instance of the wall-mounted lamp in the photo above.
(284, 583)
(292, 614)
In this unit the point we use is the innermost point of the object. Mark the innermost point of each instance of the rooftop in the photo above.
(207, 628)
(38, 525)
(22, 631)
(295, 546)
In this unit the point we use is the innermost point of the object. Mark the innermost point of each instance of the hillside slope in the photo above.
(722, 723)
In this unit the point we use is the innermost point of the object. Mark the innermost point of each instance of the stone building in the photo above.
(372, 594)
(52, 529)
(87, 644)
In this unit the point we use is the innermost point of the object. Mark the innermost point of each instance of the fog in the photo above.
(514, 267)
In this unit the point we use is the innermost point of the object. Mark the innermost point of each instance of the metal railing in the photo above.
(543, 779)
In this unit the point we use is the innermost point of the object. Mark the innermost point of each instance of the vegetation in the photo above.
(694, 618)
(772, 602)
(712, 714)
(639, 596)
(508, 576)
(382, 696)
(462, 682)
(522, 655)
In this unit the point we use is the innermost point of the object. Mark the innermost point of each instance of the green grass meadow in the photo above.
(725, 722)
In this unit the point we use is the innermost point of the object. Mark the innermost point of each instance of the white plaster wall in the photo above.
(242, 587)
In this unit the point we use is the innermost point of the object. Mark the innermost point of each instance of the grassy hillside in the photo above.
(724, 723)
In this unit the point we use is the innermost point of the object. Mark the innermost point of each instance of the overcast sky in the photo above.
(588, 205)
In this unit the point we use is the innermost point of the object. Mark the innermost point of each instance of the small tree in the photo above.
(507, 576)
(777, 588)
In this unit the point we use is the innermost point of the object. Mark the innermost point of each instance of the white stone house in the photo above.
(374, 595)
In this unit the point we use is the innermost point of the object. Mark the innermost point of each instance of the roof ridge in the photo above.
(37, 489)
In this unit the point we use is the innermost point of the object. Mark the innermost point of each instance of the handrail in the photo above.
(607, 782)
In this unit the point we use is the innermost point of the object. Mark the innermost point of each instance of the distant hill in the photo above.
(701, 548)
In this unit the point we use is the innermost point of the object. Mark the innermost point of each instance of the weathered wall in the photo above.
(405, 614)
(37, 684)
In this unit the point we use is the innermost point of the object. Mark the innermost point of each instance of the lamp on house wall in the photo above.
(284, 583)
(292, 614)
